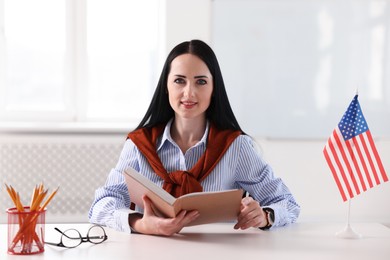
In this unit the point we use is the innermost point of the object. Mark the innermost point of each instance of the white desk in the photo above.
(220, 241)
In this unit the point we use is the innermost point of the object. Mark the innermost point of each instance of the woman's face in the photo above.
(190, 86)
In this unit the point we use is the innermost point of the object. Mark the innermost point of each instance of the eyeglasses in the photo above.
(72, 238)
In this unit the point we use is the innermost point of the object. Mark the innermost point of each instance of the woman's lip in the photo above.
(188, 104)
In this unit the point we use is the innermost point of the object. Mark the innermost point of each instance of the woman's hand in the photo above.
(251, 215)
(152, 224)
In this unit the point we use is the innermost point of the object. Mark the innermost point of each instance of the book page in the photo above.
(148, 184)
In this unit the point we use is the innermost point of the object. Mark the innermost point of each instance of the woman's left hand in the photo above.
(251, 215)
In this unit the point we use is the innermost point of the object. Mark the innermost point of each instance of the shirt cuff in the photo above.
(122, 219)
(279, 214)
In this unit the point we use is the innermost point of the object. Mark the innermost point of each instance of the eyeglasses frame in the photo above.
(82, 239)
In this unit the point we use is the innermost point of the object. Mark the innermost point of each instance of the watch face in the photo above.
(271, 215)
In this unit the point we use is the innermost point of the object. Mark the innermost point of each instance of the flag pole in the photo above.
(348, 231)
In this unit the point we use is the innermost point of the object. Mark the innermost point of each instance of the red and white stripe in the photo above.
(355, 163)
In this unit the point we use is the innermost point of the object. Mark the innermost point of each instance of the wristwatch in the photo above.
(270, 218)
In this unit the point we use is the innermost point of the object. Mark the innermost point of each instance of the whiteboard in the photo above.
(291, 67)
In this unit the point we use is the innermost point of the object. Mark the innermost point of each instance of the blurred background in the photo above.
(76, 76)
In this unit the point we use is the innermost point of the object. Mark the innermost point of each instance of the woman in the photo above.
(189, 140)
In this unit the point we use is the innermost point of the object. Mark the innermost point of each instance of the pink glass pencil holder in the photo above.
(26, 231)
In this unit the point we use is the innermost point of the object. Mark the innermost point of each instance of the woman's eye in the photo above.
(201, 82)
(179, 81)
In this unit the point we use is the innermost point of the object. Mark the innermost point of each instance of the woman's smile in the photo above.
(188, 104)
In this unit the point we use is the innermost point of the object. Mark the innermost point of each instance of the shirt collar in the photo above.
(166, 136)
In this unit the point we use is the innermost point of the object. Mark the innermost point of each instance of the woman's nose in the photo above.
(188, 90)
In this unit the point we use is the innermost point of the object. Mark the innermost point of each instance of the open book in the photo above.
(216, 206)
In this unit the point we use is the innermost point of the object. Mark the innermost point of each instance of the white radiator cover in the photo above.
(77, 163)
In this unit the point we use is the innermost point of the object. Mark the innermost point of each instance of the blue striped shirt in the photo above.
(240, 167)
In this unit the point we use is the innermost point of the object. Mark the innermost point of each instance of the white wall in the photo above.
(184, 20)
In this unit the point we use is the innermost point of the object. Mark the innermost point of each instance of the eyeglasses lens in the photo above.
(96, 235)
(71, 238)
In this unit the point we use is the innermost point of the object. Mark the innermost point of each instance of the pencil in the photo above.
(50, 198)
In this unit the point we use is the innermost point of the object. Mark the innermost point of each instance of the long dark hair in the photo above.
(219, 112)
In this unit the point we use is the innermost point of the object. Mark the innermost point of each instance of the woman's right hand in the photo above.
(150, 223)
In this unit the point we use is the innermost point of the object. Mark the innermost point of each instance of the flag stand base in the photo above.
(348, 231)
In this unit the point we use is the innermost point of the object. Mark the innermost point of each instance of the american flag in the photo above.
(352, 156)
